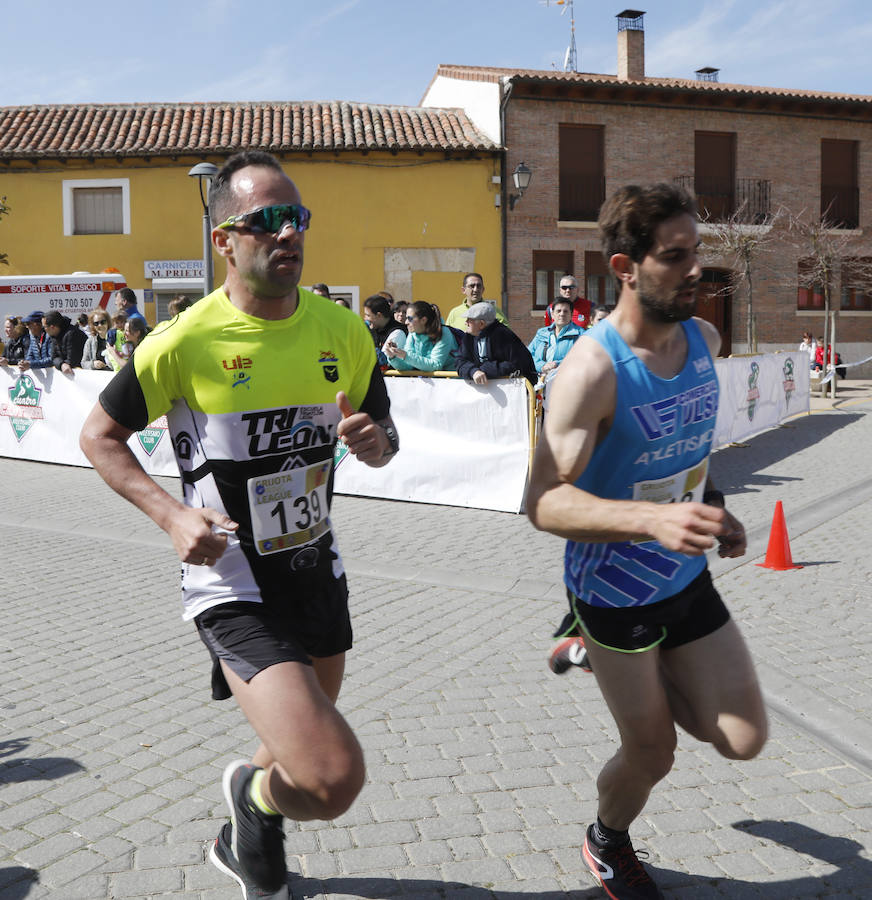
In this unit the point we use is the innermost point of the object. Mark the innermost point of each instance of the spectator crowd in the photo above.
(97, 340)
(473, 339)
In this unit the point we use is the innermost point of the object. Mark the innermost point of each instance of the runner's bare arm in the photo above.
(580, 409)
(104, 442)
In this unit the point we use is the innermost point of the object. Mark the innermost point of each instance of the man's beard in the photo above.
(664, 309)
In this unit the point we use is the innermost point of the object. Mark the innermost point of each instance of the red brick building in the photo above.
(738, 147)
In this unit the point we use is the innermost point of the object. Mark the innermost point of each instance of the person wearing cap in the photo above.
(490, 349)
(40, 353)
(473, 292)
(68, 339)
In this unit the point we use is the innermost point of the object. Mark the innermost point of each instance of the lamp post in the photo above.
(521, 178)
(204, 173)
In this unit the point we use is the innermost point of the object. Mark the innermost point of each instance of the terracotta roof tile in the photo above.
(493, 74)
(99, 130)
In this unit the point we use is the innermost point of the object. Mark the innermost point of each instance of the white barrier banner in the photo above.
(460, 445)
(758, 392)
(42, 412)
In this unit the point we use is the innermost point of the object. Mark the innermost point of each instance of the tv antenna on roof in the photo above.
(570, 60)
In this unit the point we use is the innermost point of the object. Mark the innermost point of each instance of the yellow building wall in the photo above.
(441, 288)
(404, 222)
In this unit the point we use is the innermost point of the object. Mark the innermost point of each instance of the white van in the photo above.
(70, 295)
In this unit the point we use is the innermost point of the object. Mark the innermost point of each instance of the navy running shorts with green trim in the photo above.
(690, 614)
(250, 637)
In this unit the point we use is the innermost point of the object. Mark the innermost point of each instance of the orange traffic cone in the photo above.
(778, 552)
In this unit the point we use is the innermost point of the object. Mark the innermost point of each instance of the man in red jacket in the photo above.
(582, 308)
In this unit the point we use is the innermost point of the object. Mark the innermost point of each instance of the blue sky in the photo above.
(386, 51)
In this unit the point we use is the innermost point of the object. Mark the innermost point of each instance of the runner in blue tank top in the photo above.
(621, 472)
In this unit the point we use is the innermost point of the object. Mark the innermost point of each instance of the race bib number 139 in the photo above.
(289, 509)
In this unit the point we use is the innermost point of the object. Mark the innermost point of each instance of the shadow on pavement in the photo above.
(16, 882)
(13, 745)
(44, 768)
(734, 468)
(422, 889)
(852, 878)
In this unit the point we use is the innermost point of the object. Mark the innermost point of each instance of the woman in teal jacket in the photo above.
(551, 344)
(430, 345)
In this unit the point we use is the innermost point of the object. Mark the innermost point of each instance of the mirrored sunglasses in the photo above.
(271, 219)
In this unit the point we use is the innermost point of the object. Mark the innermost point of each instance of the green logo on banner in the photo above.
(149, 438)
(23, 408)
(339, 453)
(789, 384)
(753, 390)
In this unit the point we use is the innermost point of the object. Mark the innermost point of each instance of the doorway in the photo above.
(714, 303)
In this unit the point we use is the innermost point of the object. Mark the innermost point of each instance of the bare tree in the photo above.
(738, 244)
(827, 254)
(4, 211)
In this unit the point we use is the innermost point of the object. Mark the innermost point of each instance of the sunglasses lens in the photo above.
(272, 219)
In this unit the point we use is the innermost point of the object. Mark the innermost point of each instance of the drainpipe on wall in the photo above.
(504, 198)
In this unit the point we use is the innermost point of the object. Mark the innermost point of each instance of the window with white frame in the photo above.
(96, 206)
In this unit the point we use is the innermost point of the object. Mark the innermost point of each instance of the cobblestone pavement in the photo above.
(481, 763)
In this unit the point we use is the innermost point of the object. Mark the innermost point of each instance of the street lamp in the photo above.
(521, 177)
(204, 173)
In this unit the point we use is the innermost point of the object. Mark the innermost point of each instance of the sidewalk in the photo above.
(848, 392)
(481, 763)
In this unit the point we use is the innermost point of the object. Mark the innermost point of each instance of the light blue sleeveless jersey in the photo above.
(657, 449)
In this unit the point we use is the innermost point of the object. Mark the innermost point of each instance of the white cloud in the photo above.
(273, 76)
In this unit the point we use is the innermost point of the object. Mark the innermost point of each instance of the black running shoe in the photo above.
(569, 652)
(256, 839)
(619, 871)
(222, 858)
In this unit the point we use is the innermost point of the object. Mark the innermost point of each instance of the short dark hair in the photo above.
(321, 288)
(220, 194)
(472, 275)
(127, 295)
(561, 300)
(629, 218)
(54, 318)
(377, 304)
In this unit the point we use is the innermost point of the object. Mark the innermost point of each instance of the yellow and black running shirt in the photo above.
(251, 409)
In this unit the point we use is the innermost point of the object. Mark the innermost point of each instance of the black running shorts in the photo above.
(686, 616)
(250, 637)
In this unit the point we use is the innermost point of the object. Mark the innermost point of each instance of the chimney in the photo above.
(631, 45)
(707, 73)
